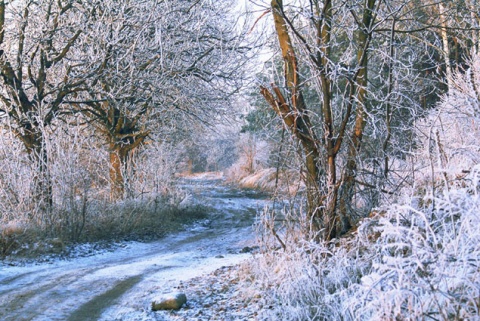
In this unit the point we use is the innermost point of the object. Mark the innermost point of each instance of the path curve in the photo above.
(120, 285)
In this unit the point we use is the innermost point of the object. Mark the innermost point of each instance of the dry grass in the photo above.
(404, 263)
(271, 180)
(94, 222)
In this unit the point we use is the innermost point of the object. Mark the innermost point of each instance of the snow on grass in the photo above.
(403, 263)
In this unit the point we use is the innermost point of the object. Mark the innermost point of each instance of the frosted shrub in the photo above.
(427, 262)
(77, 169)
(155, 167)
(15, 181)
(449, 134)
(81, 211)
(309, 283)
(78, 165)
(403, 263)
(303, 280)
(253, 155)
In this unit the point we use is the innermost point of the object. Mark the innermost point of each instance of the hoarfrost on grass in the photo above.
(404, 262)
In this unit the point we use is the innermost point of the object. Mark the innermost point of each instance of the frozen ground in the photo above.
(121, 285)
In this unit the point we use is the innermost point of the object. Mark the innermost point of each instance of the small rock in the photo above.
(246, 249)
(172, 301)
(219, 257)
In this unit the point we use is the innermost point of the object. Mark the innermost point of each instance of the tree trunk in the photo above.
(34, 142)
(475, 22)
(446, 46)
(120, 156)
(118, 161)
(346, 213)
(297, 121)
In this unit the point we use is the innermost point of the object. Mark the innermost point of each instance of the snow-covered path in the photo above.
(121, 285)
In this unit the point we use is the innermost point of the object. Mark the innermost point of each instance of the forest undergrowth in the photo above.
(101, 224)
(82, 211)
(414, 257)
(402, 263)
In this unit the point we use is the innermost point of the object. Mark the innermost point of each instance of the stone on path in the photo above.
(172, 301)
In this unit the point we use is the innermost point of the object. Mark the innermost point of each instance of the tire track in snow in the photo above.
(24, 301)
(92, 310)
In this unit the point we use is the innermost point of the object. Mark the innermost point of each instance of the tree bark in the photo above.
(361, 82)
(34, 142)
(118, 157)
(120, 154)
(297, 121)
(446, 46)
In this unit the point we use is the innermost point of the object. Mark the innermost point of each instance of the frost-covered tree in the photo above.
(158, 63)
(355, 76)
(335, 75)
(39, 72)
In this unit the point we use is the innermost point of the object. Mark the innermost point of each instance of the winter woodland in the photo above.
(360, 118)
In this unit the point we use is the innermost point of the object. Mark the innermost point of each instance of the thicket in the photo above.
(415, 257)
(378, 103)
(83, 210)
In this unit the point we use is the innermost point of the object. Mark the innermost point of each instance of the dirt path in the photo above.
(120, 285)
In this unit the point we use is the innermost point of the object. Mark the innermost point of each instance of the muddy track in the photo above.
(120, 285)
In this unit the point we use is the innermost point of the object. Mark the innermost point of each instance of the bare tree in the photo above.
(38, 72)
(345, 79)
(157, 62)
(327, 211)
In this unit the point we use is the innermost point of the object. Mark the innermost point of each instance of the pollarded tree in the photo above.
(158, 64)
(120, 93)
(38, 72)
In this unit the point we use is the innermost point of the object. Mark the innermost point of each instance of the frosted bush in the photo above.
(449, 134)
(155, 166)
(426, 262)
(16, 181)
(253, 155)
(78, 169)
(403, 263)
